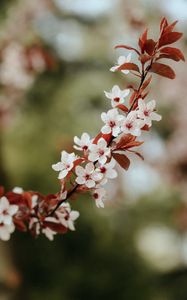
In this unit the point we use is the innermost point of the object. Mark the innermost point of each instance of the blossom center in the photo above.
(146, 113)
(129, 125)
(102, 169)
(85, 147)
(101, 152)
(95, 195)
(112, 124)
(117, 99)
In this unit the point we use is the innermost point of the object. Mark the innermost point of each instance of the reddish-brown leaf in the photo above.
(169, 38)
(173, 51)
(145, 128)
(163, 24)
(144, 58)
(107, 137)
(142, 40)
(1, 191)
(127, 47)
(170, 27)
(150, 46)
(131, 100)
(122, 160)
(137, 153)
(168, 56)
(129, 66)
(163, 70)
(127, 141)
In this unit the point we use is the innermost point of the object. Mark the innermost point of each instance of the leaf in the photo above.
(173, 51)
(129, 66)
(170, 27)
(127, 141)
(122, 160)
(163, 70)
(163, 24)
(150, 46)
(1, 191)
(142, 40)
(169, 38)
(144, 58)
(168, 56)
(127, 47)
(107, 137)
(137, 153)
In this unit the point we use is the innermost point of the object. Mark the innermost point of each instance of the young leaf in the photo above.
(122, 160)
(169, 38)
(163, 70)
(170, 27)
(168, 56)
(129, 66)
(150, 46)
(163, 24)
(173, 51)
(146, 83)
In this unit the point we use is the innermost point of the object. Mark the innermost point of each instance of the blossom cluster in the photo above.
(94, 164)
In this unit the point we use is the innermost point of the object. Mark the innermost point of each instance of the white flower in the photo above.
(65, 165)
(88, 175)
(18, 190)
(99, 195)
(7, 211)
(67, 216)
(122, 60)
(99, 151)
(83, 143)
(112, 121)
(49, 233)
(6, 230)
(131, 124)
(117, 95)
(146, 112)
(108, 171)
(34, 221)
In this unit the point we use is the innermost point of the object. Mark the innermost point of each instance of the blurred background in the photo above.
(55, 57)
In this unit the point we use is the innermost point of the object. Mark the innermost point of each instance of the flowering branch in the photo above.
(95, 165)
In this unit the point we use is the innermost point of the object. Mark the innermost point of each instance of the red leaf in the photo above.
(107, 137)
(137, 153)
(163, 24)
(169, 38)
(145, 128)
(20, 225)
(144, 58)
(129, 66)
(142, 40)
(173, 51)
(127, 47)
(150, 46)
(170, 27)
(122, 160)
(168, 56)
(163, 70)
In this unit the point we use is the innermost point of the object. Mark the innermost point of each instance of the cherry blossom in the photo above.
(131, 124)
(67, 216)
(65, 165)
(83, 143)
(122, 60)
(99, 151)
(146, 112)
(6, 230)
(87, 176)
(99, 195)
(112, 120)
(116, 95)
(49, 233)
(108, 171)
(7, 211)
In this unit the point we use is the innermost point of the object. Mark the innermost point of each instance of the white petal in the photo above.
(113, 69)
(151, 105)
(108, 95)
(115, 131)
(89, 168)
(58, 167)
(80, 180)
(106, 129)
(155, 116)
(104, 117)
(122, 60)
(125, 93)
(128, 59)
(79, 171)
(12, 209)
(62, 174)
(90, 183)
(74, 215)
(93, 156)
